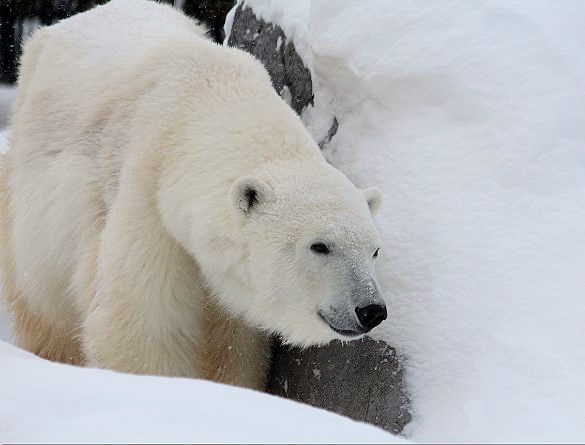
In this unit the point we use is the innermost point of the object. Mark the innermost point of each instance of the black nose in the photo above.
(372, 315)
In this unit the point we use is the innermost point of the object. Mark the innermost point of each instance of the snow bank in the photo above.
(47, 402)
(292, 16)
(470, 118)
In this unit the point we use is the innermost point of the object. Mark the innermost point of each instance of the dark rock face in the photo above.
(211, 12)
(362, 379)
(269, 44)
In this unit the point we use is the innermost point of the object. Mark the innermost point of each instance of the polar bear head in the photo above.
(309, 247)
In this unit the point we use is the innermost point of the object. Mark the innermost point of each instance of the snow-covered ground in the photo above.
(469, 116)
(47, 402)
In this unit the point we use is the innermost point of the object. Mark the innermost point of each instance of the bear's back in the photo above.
(116, 79)
(78, 73)
(122, 29)
(81, 80)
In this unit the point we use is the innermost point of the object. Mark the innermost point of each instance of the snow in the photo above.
(469, 116)
(48, 402)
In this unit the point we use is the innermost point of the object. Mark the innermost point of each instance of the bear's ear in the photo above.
(373, 198)
(248, 193)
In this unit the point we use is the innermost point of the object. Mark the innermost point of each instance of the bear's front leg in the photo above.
(145, 317)
(233, 352)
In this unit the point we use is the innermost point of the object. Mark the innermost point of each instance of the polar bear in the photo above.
(163, 210)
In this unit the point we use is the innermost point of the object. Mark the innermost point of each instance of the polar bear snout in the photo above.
(371, 315)
(356, 322)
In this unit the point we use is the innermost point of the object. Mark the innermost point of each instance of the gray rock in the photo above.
(332, 132)
(362, 379)
(269, 44)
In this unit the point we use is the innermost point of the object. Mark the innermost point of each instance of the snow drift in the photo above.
(48, 402)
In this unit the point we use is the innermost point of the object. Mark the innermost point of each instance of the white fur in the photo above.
(133, 141)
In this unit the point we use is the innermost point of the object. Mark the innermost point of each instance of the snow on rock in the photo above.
(289, 75)
(292, 16)
(48, 402)
(469, 116)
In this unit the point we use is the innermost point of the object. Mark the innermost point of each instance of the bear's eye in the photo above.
(376, 253)
(320, 248)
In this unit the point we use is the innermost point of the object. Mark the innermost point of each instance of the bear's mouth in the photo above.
(344, 332)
